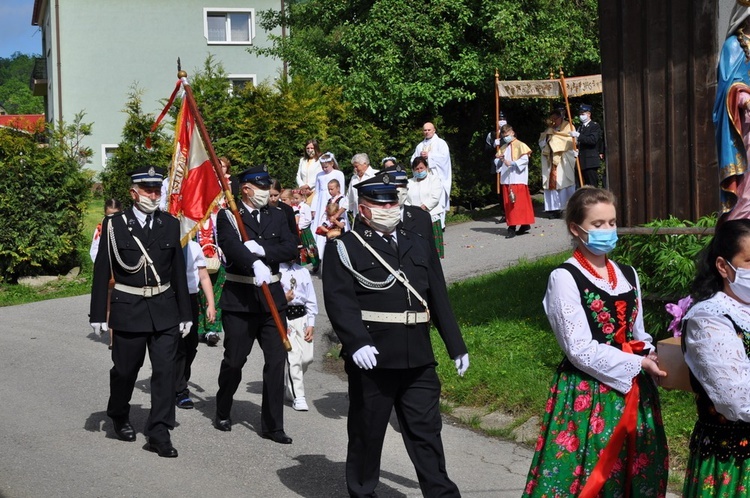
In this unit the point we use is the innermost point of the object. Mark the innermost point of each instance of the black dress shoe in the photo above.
(277, 437)
(511, 233)
(165, 450)
(223, 424)
(124, 431)
(524, 229)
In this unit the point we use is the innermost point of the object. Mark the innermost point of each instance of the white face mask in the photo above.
(260, 198)
(384, 219)
(584, 118)
(741, 284)
(145, 204)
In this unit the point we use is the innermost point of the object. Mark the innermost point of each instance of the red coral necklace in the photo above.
(611, 275)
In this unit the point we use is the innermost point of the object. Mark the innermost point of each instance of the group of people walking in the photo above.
(381, 272)
(602, 433)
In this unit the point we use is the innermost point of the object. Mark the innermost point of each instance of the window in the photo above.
(108, 151)
(239, 81)
(229, 26)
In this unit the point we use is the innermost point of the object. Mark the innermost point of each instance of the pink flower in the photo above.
(550, 405)
(597, 305)
(597, 425)
(575, 487)
(583, 386)
(582, 402)
(530, 487)
(603, 317)
(567, 440)
(640, 462)
(539, 442)
(604, 388)
(678, 311)
(608, 328)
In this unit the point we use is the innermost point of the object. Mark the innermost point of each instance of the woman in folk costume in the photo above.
(716, 335)
(425, 191)
(602, 433)
(558, 164)
(512, 162)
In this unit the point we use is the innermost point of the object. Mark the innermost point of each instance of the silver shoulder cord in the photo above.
(112, 247)
(365, 282)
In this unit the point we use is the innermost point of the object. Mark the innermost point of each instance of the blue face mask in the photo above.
(601, 240)
(421, 175)
(508, 139)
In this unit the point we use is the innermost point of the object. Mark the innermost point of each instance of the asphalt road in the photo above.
(55, 438)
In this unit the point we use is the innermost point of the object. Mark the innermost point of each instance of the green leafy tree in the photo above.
(270, 123)
(131, 152)
(15, 95)
(402, 64)
(42, 200)
(68, 138)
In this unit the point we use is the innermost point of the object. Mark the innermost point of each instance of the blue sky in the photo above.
(16, 32)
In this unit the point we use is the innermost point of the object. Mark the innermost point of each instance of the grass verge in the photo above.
(514, 353)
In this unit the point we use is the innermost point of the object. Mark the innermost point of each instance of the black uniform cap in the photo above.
(147, 176)
(257, 175)
(379, 188)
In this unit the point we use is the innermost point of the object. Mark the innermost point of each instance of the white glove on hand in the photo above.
(255, 248)
(575, 153)
(364, 357)
(99, 328)
(462, 363)
(185, 328)
(498, 142)
(262, 273)
(574, 134)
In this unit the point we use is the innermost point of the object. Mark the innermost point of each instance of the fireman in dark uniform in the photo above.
(149, 306)
(383, 322)
(245, 312)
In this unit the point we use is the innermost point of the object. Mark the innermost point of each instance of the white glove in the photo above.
(364, 357)
(262, 273)
(99, 328)
(255, 248)
(575, 153)
(185, 328)
(574, 134)
(498, 142)
(462, 363)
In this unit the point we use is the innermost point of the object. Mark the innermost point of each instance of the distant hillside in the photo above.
(15, 93)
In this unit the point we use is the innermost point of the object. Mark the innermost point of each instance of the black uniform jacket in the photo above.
(589, 145)
(277, 241)
(417, 220)
(132, 313)
(399, 345)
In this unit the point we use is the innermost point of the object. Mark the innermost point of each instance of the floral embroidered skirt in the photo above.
(204, 326)
(581, 415)
(707, 475)
(437, 232)
(308, 254)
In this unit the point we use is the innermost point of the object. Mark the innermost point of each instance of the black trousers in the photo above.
(187, 348)
(128, 353)
(415, 394)
(240, 332)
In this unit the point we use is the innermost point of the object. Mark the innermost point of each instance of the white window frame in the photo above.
(245, 77)
(106, 147)
(217, 10)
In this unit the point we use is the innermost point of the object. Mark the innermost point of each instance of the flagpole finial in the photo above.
(182, 74)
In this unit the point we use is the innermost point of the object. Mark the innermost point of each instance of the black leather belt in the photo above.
(295, 311)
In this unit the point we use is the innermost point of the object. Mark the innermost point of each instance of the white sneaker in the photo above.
(300, 405)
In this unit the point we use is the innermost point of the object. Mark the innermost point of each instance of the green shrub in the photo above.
(666, 267)
(42, 198)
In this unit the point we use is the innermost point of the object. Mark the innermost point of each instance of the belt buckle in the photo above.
(411, 317)
(148, 292)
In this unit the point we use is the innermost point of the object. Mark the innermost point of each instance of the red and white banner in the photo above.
(193, 188)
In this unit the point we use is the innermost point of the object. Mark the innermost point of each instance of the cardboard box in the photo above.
(672, 361)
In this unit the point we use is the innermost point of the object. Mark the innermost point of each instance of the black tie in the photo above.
(255, 215)
(147, 226)
(391, 242)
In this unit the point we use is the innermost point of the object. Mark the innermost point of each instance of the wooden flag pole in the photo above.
(230, 200)
(497, 123)
(564, 89)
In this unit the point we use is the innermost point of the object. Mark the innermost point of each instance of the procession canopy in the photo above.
(549, 89)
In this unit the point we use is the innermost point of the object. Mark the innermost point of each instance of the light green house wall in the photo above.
(107, 46)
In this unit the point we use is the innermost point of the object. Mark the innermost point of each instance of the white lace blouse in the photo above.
(716, 355)
(569, 322)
